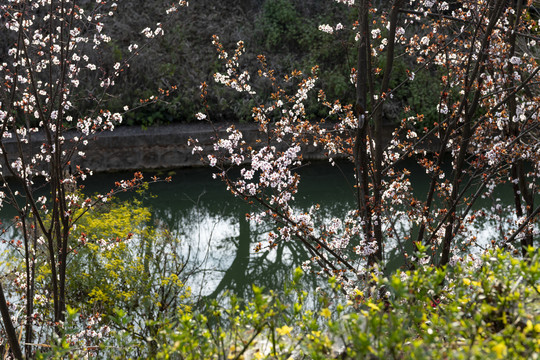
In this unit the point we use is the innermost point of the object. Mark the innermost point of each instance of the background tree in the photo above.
(481, 79)
(46, 121)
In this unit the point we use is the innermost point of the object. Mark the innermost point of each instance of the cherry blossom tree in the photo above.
(484, 56)
(47, 119)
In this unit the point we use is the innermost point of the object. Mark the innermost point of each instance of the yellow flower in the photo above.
(326, 312)
(466, 281)
(284, 330)
(500, 350)
(529, 326)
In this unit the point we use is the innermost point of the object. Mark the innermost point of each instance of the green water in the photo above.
(217, 241)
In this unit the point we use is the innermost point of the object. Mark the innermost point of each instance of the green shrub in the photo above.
(280, 26)
(485, 307)
(128, 272)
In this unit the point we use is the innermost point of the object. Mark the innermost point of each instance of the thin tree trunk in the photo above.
(469, 107)
(8, 327)
(378, 132)
(519, 180)
(361, 163)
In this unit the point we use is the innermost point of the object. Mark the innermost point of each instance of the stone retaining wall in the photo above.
(133, 148)
(163, 147)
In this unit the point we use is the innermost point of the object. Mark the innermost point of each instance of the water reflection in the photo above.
(217, 241)
(218, 244)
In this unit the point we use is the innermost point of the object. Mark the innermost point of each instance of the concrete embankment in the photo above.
(134, 148)
(160, 147)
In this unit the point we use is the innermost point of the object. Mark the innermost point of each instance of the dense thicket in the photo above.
(286, 31)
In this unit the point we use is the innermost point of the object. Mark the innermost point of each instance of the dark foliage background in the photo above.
(285, 31)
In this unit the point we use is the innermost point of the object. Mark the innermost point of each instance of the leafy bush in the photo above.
(485, 307)
(280, 26)
(129, 276)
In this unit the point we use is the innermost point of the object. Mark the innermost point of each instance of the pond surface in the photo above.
(217, 241)
(216, 238)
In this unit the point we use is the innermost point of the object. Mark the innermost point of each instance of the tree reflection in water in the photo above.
(217, 242)
(218, 246)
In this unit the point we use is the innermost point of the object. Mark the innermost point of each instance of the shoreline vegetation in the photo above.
(97, 275)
